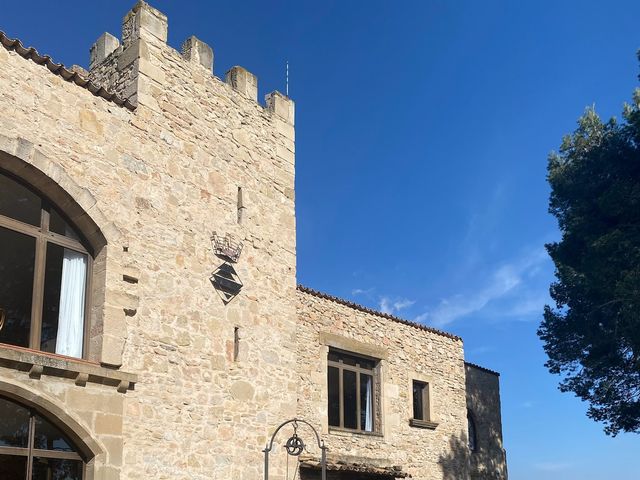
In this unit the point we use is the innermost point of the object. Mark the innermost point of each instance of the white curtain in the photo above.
(71, 318)
(368, 420)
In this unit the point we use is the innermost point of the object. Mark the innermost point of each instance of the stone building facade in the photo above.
(174, 192)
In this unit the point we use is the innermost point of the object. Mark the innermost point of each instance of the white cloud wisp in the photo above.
(501, 283)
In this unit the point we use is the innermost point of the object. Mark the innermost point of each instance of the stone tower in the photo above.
(155, 153)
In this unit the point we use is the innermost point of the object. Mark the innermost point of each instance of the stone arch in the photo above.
(55, 412)
(21, 158)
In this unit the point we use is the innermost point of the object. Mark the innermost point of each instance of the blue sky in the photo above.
(423, 129)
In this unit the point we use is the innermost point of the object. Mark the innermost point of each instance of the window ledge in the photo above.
(346, 432)
(38, 363)
(423, 424)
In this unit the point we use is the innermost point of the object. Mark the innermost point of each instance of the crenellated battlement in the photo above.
(139, 64)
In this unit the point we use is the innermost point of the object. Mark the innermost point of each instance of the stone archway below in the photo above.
(55, 413)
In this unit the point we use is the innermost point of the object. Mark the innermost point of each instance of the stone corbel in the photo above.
(35, 372)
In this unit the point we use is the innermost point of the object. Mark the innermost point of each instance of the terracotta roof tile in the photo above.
(469, 364)
(31, 53)
(362, 308)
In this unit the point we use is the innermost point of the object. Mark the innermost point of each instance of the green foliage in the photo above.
(592, 335)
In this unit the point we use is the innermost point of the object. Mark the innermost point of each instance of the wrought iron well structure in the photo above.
(294, 446)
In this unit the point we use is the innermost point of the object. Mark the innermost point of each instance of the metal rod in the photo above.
(295, 422)
(266, 463)
(323, 461)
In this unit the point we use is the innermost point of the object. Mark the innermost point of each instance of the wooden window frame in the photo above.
(43, 236)
(30, 451)
(374, 373)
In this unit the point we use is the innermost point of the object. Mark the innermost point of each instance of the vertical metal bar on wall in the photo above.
(266, 463)
(323, 462)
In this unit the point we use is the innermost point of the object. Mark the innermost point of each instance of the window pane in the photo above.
(59, 225)
(13, 467)
(366, 402)
(418, 406)
(49, 437)
(63, 308)
(14, 425)
(17, 258)
(19, 202)
(350, 399)
(56, 469)
(334, 396)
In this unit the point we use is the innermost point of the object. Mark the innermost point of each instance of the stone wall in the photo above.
(158, 181)
(406, 352)
(488, 461)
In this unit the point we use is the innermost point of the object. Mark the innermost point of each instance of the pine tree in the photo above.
(592, 334)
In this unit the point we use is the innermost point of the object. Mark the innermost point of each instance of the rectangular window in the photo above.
(351, 381)
(420, 400)
(421, 405)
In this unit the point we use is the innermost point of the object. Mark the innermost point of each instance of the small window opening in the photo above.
(420, 400)
(241, 206)
(473, 434)
(236, 343)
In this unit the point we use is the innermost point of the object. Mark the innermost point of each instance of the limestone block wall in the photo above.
(213, 378)
(406, 352)
(488, 462)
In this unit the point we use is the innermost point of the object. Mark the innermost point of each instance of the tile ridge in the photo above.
(362, 308)
(484, 369)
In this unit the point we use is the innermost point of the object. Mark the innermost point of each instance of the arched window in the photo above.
(44, 272)
(473, 436)
(31, 448)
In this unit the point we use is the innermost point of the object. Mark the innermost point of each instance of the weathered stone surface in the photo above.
(242, 391)
(243, 81)
(104, 46)
(196, 51)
